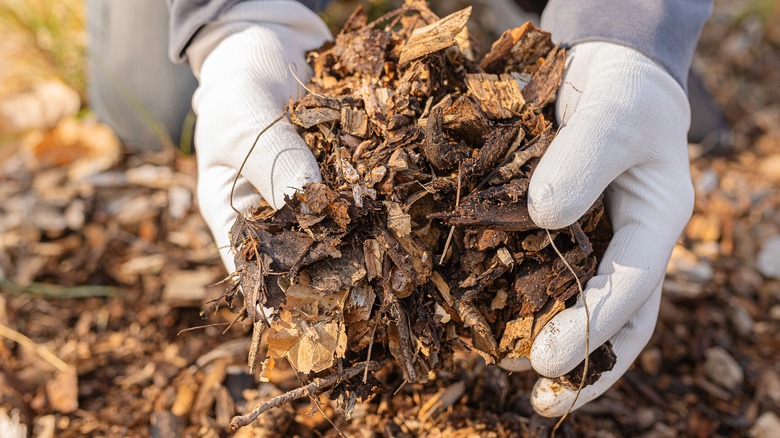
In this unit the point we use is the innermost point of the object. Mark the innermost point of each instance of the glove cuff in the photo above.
(305, 30)
(664, 31)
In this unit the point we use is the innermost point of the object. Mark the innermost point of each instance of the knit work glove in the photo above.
(624, 122)
(243, 61)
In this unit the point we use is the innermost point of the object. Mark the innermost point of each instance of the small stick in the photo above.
(392, 14)
(198, 327)
(290, 66)
(587, 334)
(314, 387)
(315, 400)
(319, 408)
(370, 347)
(40, 350)
(452, 228)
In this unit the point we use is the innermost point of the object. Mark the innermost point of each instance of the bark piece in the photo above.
(497, 207)
(545, 82)
(491, 153)
(521, 157)
(602, 359)
(374, 254)
(354, 121)
(308, 117)
(516, 48)
(530, 286)
(443, 154)
(499, 97)
(362, 50)
(516, 340)
(466, 119)
(397, 220)
(409, 256)
(481, 335)
(435, 36)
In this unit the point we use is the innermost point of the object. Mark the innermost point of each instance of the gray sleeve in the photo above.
(188, 16)
(666, 31)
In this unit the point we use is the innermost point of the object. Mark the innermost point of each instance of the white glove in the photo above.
(242, 61)
(624, 121)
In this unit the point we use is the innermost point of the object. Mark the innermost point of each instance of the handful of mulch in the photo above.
(418, 242)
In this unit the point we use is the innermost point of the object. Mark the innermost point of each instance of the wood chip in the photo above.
(435, 36)
(499, 97)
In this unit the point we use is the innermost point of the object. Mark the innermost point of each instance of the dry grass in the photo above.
(42, 39)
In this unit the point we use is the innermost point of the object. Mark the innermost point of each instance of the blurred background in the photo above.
(104, 260)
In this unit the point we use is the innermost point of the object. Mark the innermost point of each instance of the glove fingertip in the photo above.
(550, 399)
(553, 209)
(559, 346)
(515, 365)
(544, 356)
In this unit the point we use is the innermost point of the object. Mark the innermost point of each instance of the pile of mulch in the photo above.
(418, 241)
(709, 370)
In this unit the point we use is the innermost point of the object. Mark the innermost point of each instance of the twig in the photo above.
(54, 292)
(40, 350)
(314, 387)
(587, 334)
(315, 400)
(290, 66)
(235, 320)
(198, 327)
(319, 408)
(452, 228)
(392, 14)
(370, 347)
(401, 386)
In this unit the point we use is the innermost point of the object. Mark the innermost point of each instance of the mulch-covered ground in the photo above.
(101, 353)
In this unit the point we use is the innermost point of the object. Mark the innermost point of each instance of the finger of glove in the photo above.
(245, 83)
(280, 165)
(229, 123)
(629, 112)
(550, 399)
(585, 157)
(648, 207)
(214, 184)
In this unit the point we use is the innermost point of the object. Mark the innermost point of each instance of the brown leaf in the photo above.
(83, 148)
(312, 350)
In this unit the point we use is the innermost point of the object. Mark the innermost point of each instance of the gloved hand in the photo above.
(242, 62)
(624, 122)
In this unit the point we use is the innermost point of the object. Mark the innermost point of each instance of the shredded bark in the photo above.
(425, 156)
